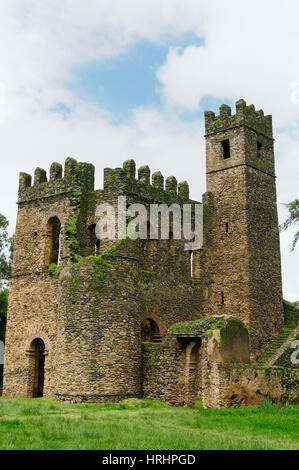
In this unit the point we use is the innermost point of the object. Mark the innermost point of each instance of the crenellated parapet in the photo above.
(245, 116)
(77, 176)
(144, 187)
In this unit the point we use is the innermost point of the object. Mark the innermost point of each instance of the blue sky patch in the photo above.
(127, 81)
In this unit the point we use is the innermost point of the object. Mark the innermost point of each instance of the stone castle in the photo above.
(92, 320)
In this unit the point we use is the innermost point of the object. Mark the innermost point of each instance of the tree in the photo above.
(293, 218)
(6, 248)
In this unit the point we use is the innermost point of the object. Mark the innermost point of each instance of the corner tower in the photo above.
(241, 262)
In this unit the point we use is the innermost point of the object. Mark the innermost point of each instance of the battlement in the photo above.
(77, 175)
(245, 116)
(80, 176)
(145, 187)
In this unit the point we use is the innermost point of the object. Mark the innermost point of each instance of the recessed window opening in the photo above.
(226, 227)
(150, 331)
(54, 228)
(222, 298)
(258, 149)
(225, 148)
(36, 368)
(94, 241)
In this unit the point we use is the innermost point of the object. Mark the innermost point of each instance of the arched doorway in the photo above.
(150, 331)
(36, 368)
(193, 372)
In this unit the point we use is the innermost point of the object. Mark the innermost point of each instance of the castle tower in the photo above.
(241, 262)
(47, 210)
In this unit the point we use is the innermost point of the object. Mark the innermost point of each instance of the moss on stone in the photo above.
(229, 326)
(206, 326)
(291, 314)
(146, 276)
(151, 354)
(100, 265)
(195, 284)
(72, 237)
(285, 359)
(53, 268)
(197, 327)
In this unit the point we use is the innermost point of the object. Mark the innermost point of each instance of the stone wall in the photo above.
(241, 385)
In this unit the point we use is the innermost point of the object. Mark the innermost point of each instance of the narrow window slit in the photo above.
(258, 149)
(225, 148)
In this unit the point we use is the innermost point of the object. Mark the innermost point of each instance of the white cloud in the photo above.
(250, 51)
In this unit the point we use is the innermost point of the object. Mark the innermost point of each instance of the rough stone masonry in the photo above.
(107, 320)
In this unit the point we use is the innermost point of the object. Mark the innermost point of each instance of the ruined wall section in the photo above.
(243, 385)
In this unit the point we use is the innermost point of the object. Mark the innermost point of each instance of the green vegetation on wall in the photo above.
(146, 276)
(205, 326)
(152, 354)
(285, 359)
(291, 314)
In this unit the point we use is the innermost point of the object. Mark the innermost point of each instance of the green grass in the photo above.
(43, 423)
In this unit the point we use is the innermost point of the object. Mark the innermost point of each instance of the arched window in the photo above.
(94, 242)
(36, 368)
(53, 249)
(150, 331)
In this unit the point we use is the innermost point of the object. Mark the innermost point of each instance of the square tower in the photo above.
(241, 262)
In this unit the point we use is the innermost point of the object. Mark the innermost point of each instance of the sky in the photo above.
(103, 81)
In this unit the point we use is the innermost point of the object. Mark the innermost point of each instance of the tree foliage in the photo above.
(293, 218)
(6, 249)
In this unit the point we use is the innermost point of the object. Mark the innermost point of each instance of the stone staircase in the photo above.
(278, 346)
(283, 347)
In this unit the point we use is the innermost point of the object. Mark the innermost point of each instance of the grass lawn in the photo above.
(43, 423)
